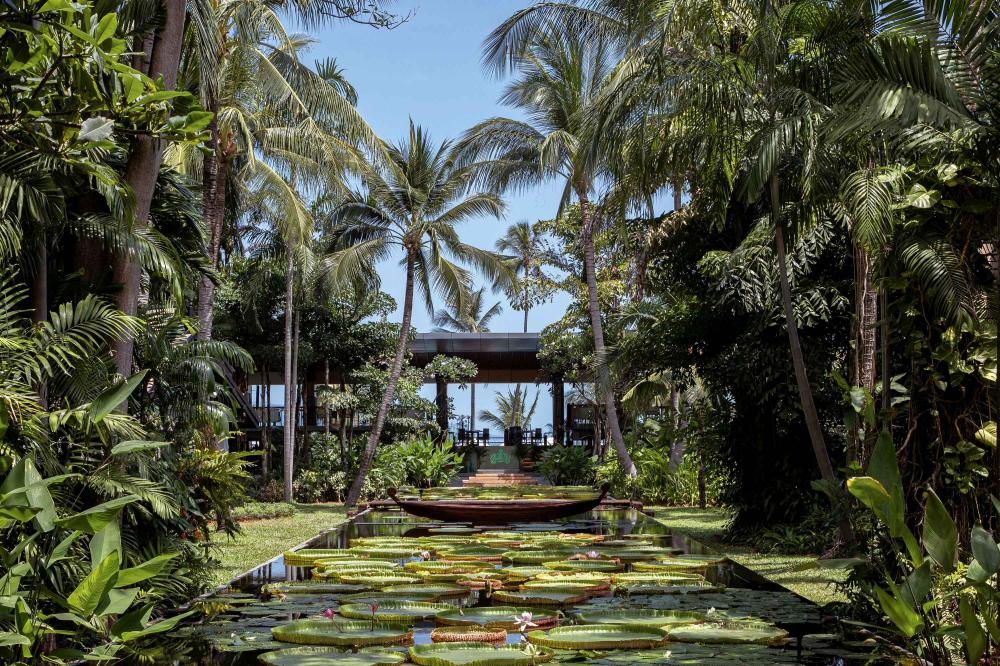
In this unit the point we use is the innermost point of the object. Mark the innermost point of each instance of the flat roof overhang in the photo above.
(501, 358)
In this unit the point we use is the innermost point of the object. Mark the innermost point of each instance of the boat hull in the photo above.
(497, 512)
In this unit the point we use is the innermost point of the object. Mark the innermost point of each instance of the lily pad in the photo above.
(539, 597)
(452, 566)
(311, 587)
(600, 637)
(480, 553)
(561, 586)
(730, 632)
(430, 591)
(393, 611)
(523, 573)
(328, 656)
(584, 565)
(384, 552)
(503, 617)
(476, 654)
(377, 580)
(355, 565)
(645, 616)
(535, 556)
(473, 633)
(656, 578)
(307, 556)
(676, 564)
(347, 634)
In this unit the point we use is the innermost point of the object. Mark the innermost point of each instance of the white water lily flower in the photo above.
(524, 621)
(425, 555)
(711, 611)
(594, 555)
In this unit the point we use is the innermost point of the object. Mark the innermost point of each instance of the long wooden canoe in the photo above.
(498, 511)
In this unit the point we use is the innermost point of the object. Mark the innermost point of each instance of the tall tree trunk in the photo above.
(342, 429)
(215, 175)
(390, 388)
(142, 169)
(864, 349)
(297, 393)
(39, 295)
(266, 426)
(884, 342)
(798, 362)
(326, 407)
(603, 374)
(679, 445)
(288, 429)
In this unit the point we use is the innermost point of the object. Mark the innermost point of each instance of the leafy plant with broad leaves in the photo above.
(429, 463)
(921, 604)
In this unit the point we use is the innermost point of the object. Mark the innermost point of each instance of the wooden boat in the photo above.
(498, 511)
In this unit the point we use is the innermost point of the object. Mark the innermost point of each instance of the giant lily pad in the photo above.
(600, 637)
(535, 556)
(377, 580)
(473, 552)
(385, 552)
(503, 617)
(561, 586)
(328, 656)
(676, 564)
(523, 573)
(656, 578)
(307, 556)
(476, 654)
(539, 597)
(447, 566)
(583, 565)
(730, 632)
(429, 591)
(311, 587)
(645, 616)
(395, 611)
(347, 634)
(355, 565)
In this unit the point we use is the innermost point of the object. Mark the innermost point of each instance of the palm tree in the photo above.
(471, 319)
(415, 195)
(560, 78)
(525, 246)
(513, 410)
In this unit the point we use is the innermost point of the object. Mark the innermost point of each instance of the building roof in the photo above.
(500, 357)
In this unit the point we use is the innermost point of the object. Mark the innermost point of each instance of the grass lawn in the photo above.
(709, 526)
(263, 539)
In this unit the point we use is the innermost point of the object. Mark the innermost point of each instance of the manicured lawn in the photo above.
(263, 539)
(709, 527)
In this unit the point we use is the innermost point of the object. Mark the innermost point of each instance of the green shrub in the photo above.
(568, 466)
(261, 510)
(656, 483)
(428, 463)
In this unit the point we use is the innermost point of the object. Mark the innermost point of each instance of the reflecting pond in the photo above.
(642, 594)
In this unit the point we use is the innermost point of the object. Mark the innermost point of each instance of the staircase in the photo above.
(499, 478)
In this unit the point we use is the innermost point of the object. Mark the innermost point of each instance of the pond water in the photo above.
(239, 629)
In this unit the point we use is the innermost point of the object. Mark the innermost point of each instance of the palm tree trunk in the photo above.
(142, 169)
(265, 458)
(342, 428)
(603, 374)
(799, 365)
(297, 396)
(39, 297)
(215, 174)
(390, 388)
(288, 431)
(326, 407)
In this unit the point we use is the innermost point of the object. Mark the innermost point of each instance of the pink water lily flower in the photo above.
(328, 613)
(594, 555)
(523, 621)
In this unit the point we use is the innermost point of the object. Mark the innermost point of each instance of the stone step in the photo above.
(486, 478)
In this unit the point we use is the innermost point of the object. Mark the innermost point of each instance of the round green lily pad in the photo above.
(447, 566)
(729, 632)
(502, 617)
(534, 556)
(656, 578)
(393, 610)
(355, 565)
(676, 564)
(346, 634)
(539, 597)
(645, 616)
(385, 552)
(311, 587)
(523, 573)
(307, 556)
(328, 656)
(560, 586)
(428, 591)
(377, 580)
(600, 637)
(583, 565)
(475, 654)
(473, 552)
